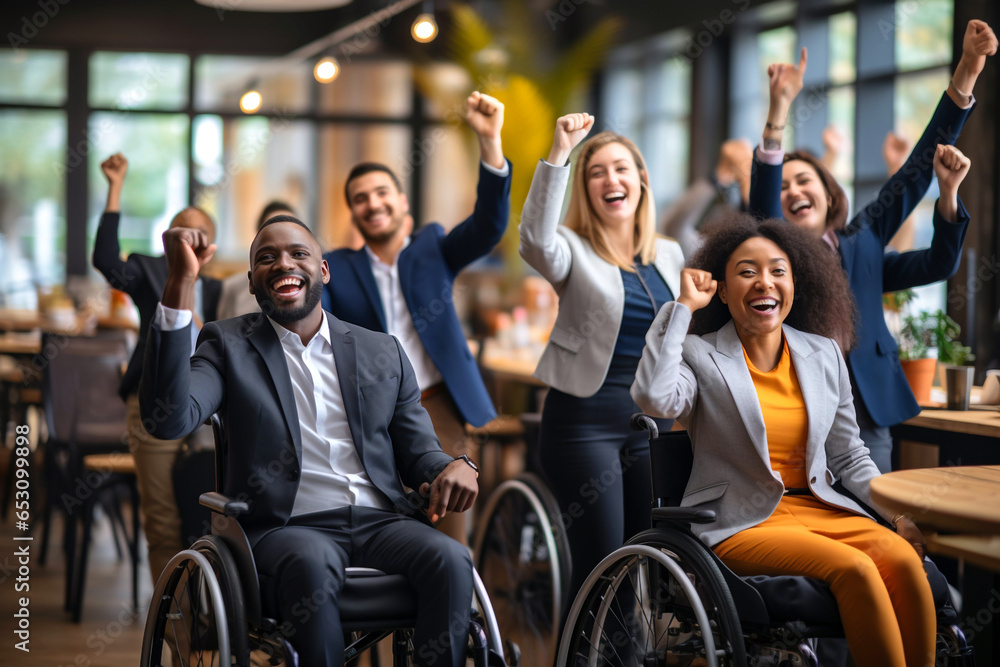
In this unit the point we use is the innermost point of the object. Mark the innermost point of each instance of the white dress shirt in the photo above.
(398, 321)
(332, 473)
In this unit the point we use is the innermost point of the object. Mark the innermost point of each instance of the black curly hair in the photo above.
(823, 302)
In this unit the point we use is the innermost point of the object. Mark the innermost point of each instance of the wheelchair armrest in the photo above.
(683, 515)
(643, 422)
(224, 505)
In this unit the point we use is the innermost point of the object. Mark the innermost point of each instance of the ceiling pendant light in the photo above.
(326, 70)
(425, 28)
(251, 101)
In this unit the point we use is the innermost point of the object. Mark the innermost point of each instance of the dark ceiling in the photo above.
(183, 25)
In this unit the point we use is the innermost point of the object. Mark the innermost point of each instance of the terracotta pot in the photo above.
(920, 374)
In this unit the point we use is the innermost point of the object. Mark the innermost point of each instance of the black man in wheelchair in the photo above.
(337, 409)
(761, 384)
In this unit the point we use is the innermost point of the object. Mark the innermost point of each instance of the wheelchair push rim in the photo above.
(597, 603)
(519, 558)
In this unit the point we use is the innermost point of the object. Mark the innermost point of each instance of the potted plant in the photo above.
(926, 339)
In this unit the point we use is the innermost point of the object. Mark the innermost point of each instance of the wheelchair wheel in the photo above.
(652, 604)
(197, 610)
(523, 560)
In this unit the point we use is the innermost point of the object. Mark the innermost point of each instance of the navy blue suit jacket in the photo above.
(877, 376)
(427, 270)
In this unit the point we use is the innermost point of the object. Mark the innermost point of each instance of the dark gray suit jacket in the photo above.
(239, 371)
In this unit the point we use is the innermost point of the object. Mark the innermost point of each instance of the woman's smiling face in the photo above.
(804, 200)
(758, 288)
(614, 184)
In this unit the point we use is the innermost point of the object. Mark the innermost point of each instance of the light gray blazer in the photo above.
(591, 291)
(704, 382)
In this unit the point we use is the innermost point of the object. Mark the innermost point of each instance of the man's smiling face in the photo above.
(287, 271)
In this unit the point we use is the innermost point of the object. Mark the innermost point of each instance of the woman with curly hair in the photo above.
(767, 401)
(798, 188)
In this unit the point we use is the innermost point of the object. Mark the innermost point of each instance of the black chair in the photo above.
(208, 601)
(674, 599)
(85, 417)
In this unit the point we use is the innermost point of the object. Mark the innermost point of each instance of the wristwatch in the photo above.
(472, 464)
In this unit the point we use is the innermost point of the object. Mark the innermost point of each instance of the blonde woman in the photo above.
(612, 275)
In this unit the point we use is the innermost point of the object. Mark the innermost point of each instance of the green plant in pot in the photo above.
(920, 337)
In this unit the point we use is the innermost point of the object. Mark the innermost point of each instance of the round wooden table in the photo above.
(958, 499)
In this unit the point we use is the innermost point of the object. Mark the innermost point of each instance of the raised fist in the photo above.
(114, 169)
(697, 288)
(187, 250)
(484, 115)
(951, 167)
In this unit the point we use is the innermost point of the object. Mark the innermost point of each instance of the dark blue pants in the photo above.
(598, 470)
(301, 567)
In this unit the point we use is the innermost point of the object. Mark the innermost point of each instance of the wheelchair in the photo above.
(666, 599)
(206, 605)
(523, 556)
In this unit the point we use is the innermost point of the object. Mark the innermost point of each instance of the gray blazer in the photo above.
(591, 291)
(704, 382)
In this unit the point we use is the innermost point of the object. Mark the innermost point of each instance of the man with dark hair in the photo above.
(402, 284)
(323, 423)
(142, 277)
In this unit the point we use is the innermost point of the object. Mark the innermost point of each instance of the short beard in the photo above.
(288, 315)
(381, 237)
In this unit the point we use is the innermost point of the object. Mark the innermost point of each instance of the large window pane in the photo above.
(923, 33)
(220, 81)
(382, 88)
(622, 92)
(840, 114)
(843, 41)
(32, 196)
(138, 80)
(670, 84)
(156, 185)
(665, 147)
(32, 77)
(915, 98)
(776, 46)
(242, 164)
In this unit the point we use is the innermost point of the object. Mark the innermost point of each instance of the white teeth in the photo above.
(802, 203)
(286, 281)
(614, 196)
(763, 303)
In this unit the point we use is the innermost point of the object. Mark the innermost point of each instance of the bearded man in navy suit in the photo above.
(402, 284)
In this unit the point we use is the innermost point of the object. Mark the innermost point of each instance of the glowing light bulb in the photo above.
(424, 28)
(326, 70)
(250, 102)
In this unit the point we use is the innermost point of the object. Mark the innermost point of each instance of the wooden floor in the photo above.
(110, 633)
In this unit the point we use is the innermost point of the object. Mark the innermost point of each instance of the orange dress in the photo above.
(882, 592)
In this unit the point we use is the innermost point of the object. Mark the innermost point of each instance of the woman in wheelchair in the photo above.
(763, 389)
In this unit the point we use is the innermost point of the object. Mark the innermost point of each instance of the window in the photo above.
(647, 97)
(919, 50)
(138, 81)
(32, 196)
(32, 174)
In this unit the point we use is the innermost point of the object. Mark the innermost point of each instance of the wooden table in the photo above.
(947, 437)
(512, 365)
(962, 499)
